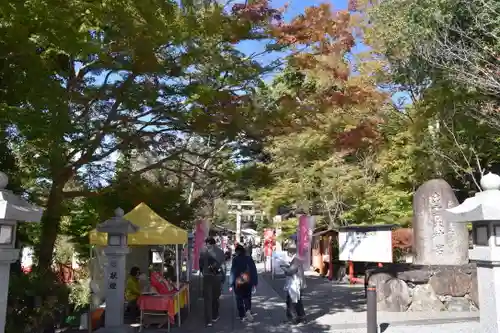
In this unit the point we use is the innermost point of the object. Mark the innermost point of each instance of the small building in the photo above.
(323, 254)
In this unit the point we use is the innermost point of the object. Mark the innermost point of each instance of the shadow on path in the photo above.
(268, 306)
(323, 297)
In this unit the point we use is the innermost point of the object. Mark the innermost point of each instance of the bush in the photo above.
(37, 303)
(79, 294)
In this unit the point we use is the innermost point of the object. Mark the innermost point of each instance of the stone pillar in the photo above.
(7, 257)
(12, 209)
(436, 240)
(116, 276)
(117, 229)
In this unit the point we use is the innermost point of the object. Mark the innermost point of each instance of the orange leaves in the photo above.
(257, 11)
(320, 28)
(321, 38)
(363, 135)
(323, 41)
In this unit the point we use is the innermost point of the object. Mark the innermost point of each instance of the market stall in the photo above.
(155, 236)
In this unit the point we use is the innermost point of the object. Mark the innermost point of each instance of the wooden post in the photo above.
(330, 255)
(371, 310)
(351, 272)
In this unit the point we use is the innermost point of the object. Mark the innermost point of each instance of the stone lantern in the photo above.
(117, 229)
(483, 211)
(13, 209)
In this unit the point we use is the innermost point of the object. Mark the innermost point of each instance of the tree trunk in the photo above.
(50, 226)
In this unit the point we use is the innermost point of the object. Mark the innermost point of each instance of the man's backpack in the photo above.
(214, 266)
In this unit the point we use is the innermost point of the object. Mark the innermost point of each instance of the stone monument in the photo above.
(117, 229)
(13, 209)
(483, 211)
(436, 240)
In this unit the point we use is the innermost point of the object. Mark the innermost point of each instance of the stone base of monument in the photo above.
(118, 329)
(408, 287)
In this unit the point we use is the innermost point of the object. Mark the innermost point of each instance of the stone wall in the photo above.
(407, 287)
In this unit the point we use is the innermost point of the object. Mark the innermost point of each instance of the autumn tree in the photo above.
(333, 120)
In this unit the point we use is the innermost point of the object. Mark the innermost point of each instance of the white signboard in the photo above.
(157, 257)
(369, 246)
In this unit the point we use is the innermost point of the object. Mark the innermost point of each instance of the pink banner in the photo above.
(304, 239)
(303, 235)
(199, 240)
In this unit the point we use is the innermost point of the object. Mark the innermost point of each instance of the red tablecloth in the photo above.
(163, 303)
(158, 303)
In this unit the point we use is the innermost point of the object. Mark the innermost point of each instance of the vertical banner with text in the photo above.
(200, 235)
(304, 239)
(269, 241)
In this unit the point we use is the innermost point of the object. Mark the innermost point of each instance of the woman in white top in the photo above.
(294, 286)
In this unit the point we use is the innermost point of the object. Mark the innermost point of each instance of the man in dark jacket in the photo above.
(243, 280)
(211, 266)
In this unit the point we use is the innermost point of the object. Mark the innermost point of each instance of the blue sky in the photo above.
(295, 7)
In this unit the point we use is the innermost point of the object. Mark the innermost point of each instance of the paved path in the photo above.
(322, 297)
(342, 308)
(330, 308)
(268, 306)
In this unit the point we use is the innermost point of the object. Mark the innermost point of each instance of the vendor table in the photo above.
(167, 305)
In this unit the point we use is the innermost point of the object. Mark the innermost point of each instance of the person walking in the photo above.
(211, 266)
(294, 286)
(250, 247)
(243, 280)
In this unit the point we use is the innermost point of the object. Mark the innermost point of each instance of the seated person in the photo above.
(133, 291)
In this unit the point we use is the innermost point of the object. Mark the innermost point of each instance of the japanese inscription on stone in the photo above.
(438, 232)
(436, 240)
(113, 274)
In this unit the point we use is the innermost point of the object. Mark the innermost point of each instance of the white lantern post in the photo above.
(13, 209)
(117, 229)
(483, 211)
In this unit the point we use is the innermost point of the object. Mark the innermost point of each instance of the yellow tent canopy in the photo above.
(154, 230)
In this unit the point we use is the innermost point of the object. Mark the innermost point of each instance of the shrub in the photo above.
(79, 294)
(37, 303)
